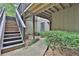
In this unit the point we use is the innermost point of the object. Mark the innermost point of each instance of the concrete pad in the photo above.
(36, 49)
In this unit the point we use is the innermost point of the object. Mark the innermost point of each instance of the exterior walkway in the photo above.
(36, 49)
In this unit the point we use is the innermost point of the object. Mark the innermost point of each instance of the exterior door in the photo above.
(42, 27)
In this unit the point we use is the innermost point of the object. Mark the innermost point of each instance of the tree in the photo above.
(10, 8)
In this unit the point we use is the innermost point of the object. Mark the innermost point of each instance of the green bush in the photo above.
(37, 34)
(61, 39)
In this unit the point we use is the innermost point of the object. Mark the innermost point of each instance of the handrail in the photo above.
(2, 28)
(20, 24)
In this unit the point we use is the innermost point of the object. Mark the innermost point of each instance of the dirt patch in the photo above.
(63, 52)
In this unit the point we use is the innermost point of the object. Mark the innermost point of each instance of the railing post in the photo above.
(2, 28)
(23, 29)
(0, 44)
(20, 24)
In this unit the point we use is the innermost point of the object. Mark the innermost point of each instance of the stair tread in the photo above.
(12, 37)
(11, 31)
(12, 41)
(12, 46)
(11, 34)
(9, 26)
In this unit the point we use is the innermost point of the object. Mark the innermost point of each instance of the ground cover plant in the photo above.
(66, 43)
(61, 39)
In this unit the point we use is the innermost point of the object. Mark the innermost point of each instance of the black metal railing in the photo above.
(2, 27)
(20, 24)
(22, 7)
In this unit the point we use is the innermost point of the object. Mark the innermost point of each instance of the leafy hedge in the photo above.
(61, 39)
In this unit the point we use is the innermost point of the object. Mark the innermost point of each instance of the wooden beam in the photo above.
(70, 4)
(38, 10)
(41, 8)
(35, 6)
(48, 11)
(56, 8)
(51, 10)
(43, 16)
(62, 6)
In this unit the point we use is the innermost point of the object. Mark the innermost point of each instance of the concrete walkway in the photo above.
(36, 49)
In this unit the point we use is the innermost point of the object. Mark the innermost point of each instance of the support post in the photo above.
(33, 27)
(50, 23)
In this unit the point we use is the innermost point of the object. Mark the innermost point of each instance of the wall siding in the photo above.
(67, 19)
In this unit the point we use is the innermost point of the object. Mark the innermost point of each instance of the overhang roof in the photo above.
(45, 10)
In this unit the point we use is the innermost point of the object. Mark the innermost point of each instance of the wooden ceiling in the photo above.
(45, 10)
(48, 12)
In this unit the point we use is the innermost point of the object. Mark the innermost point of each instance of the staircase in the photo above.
(12, 37)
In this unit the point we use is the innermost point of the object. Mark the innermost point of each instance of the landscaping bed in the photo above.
(61, 43)
(64, 52)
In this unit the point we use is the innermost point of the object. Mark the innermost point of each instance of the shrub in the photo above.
(37, 33)
(61, 39)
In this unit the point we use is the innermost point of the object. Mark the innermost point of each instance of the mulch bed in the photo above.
(64, 52)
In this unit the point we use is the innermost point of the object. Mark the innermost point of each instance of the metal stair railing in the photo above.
(2, 27)
(23, 7)
(20, 24)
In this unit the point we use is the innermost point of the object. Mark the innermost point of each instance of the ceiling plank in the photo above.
(56, 8)
(48, 11)
(62, 6)
(44, 15)
(70, 4)
(51, 10)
